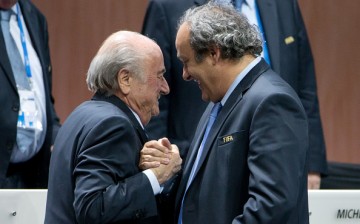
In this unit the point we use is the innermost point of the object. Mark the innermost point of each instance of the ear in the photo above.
(124, 81)
(215, 54)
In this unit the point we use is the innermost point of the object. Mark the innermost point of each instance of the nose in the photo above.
(186, 76)
(164, 87)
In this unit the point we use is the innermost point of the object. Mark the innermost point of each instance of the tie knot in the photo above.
(6, 14)
(216, 109)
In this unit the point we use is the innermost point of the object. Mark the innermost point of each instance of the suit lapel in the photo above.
(123, 107)
(5, 62)
(270, 21)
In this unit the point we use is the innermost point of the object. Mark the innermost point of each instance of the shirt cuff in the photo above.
(153, 181)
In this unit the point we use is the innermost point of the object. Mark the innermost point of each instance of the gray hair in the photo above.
(220, 25)
(116, 53)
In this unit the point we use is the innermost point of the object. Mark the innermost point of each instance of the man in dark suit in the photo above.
(290, 56)
(94, 174)
(25, 164)
(250, 165)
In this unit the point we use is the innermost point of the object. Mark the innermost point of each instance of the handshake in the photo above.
(162, 157)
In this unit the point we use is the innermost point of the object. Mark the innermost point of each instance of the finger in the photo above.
(153, 145)
(150, 143)
(149, 158)
(149, 165)
(153, 154)
(156, 145)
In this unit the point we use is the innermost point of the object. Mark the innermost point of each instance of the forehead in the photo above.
(154, 59)
(153, 64)
(182, 41)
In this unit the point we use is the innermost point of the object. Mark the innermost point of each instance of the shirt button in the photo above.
(15, 108)
(9, 145)
(139, 214)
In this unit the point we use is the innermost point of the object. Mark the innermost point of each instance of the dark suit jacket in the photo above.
(253, 165)
(38, 166)
(94, 174)
(292, 60)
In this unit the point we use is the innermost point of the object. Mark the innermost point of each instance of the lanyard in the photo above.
(23, 42)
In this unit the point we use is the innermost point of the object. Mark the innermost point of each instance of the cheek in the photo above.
(196, 70)
(151, 95)
(153, 108)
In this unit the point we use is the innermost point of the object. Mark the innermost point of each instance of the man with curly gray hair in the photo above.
(250, 166)
(286, 49)
(234, 36)
(247, 161)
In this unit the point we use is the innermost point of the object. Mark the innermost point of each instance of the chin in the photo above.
(155, 112)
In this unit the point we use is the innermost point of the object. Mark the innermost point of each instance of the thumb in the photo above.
(165, 142)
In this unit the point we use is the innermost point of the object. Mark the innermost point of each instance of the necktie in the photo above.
(214, 112)
(16, 61)
(237, 4)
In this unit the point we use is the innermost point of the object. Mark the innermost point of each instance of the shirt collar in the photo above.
(239, 78)
(250, 3)
(137, 118)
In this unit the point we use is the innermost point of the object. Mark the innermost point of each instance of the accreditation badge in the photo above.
(28, 111)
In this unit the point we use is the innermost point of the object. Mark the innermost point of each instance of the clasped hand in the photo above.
(162, 157)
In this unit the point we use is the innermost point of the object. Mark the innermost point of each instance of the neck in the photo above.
(233, 68)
